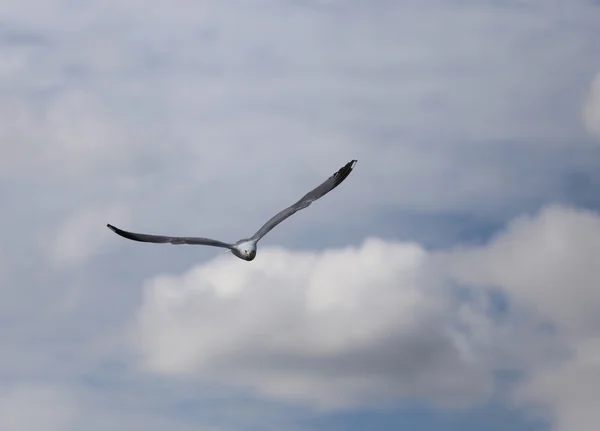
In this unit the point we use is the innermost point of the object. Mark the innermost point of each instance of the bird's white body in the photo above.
(244, 249)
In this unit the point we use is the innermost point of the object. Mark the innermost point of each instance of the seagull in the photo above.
(246, 248)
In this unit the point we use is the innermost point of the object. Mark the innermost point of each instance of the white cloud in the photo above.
(547, 261)
(567, 392)
(548, 265)
(331, 329)
(383, 321)
(591, 107)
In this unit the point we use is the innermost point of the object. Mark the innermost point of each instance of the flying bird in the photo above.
(246, 248)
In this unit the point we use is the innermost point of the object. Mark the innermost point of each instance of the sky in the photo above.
(451, 281)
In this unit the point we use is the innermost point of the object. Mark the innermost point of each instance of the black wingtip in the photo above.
(350, 165)
(343, 173)
(347, 168)
(129, 235)
(114, 229)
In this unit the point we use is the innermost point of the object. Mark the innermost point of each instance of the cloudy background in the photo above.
(450, 283)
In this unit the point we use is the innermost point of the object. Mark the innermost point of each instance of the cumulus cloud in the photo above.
(567, 391)
(547, 261)
(389, 320)
(331, 329)
(591, 107)
(548, 264)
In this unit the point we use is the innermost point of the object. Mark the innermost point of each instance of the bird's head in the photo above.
(245, 250)
(250, 254)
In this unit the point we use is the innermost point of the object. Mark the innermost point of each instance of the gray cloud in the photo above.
(591, 107)
(226, 94)
(35, 408)
(80, 237)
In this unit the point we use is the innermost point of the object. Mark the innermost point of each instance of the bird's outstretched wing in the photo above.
(328, 185)
(142, 237)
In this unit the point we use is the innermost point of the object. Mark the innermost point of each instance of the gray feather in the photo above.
(142, 237)
(328, 185)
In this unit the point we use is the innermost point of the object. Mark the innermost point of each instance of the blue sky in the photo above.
(449, 283)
